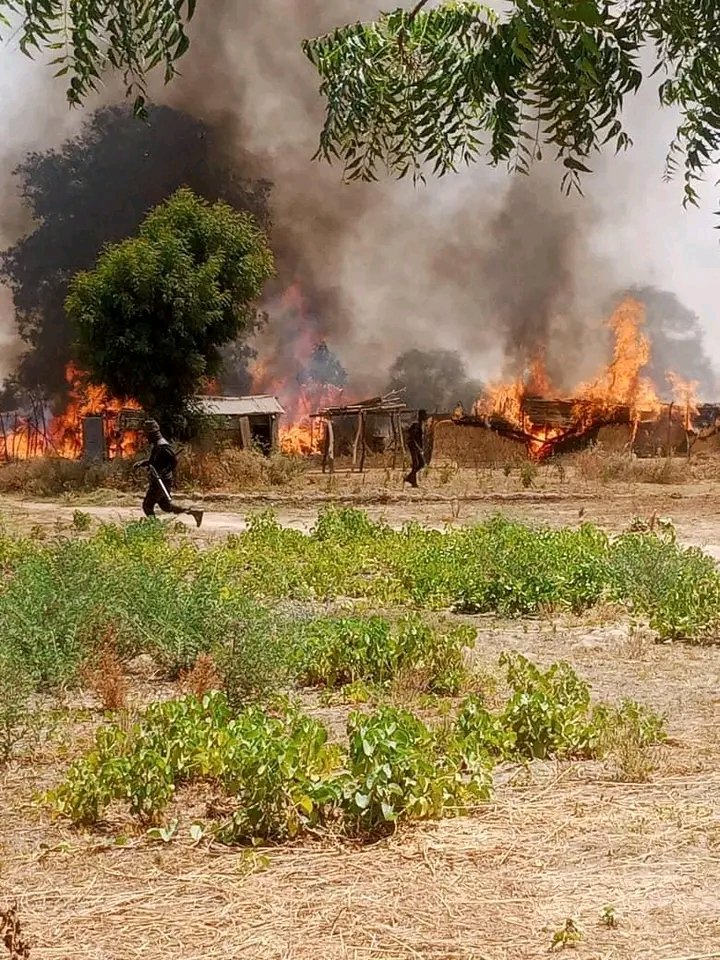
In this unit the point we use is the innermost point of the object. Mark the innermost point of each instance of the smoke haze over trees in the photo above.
(434, 379)
(94, 190)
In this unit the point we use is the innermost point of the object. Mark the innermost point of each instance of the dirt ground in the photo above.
(558, 841)
(466, 496)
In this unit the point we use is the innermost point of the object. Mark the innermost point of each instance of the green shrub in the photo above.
(548, 712)
(15, 706)
(280, 775)
(333, 652)
(481, 734)
(399, 771)
(271, 766)
(171, 598)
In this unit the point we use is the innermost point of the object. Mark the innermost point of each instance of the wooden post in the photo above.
(245, 438)
(6, 452)
(430, 440)
(669, 431)
(363, 441)
(329, 446)
(402, 440)
(394, 439)
(359, 433)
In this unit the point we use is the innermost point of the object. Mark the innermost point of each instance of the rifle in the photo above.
(156, 477)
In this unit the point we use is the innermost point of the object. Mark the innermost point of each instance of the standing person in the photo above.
(161, 463)
(416, 445)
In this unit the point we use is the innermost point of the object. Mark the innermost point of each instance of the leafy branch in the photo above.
(86, 38)
(433, 89)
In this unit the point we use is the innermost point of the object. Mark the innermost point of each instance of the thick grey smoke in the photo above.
(483, 264)
(492, 266)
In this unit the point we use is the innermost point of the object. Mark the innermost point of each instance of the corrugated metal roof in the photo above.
(239, 406)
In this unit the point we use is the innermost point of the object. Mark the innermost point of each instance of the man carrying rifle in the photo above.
(161, 465)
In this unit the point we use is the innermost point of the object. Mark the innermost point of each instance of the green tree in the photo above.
(435, 88)
(152, 316)
(89, 38)
(74, 214)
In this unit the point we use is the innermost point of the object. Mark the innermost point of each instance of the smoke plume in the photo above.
(493, 267)
(489, 267)
(435, 380)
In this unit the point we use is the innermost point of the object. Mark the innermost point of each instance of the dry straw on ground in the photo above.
(557, 842)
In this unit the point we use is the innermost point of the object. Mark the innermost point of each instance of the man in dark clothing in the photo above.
(416, 445)
(161, 463)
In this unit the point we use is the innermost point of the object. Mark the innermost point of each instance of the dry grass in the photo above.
(636, 644)
(53, 476)
(559, 841)
(203, 677)
(229, 469)
(104, 674)
(474, 446)
(237, 469)
(597, 465)
(630, 760)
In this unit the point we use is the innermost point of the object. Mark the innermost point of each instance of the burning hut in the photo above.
(620, 402)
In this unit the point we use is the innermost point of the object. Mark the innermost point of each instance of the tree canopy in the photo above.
(95, 189)
(152, 316)
(437, 86)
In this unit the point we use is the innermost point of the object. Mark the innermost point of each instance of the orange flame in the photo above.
(277, 373)
(62, 435)
(620, 384)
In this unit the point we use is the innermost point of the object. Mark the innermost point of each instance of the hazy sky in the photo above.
(643, 232)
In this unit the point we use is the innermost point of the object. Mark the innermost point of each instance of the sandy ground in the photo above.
(694, 507)
(558, 841)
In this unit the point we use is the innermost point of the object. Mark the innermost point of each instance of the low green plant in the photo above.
(81, 521)
(254, 656)
(548, 712)
(336, 651)
(481, 734)
(528, 474)
(274, 767)
(626, 736)
(169, 597)
(569, 935)
(608, 917)
(399, 770)
(281, 775)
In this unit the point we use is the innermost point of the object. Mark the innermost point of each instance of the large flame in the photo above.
(283, 373)
(39, 434)
(620, 384)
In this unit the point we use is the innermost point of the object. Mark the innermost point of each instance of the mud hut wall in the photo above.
(469, 445)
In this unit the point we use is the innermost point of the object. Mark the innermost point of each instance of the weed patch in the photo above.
(165, 596)
(280, 774)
